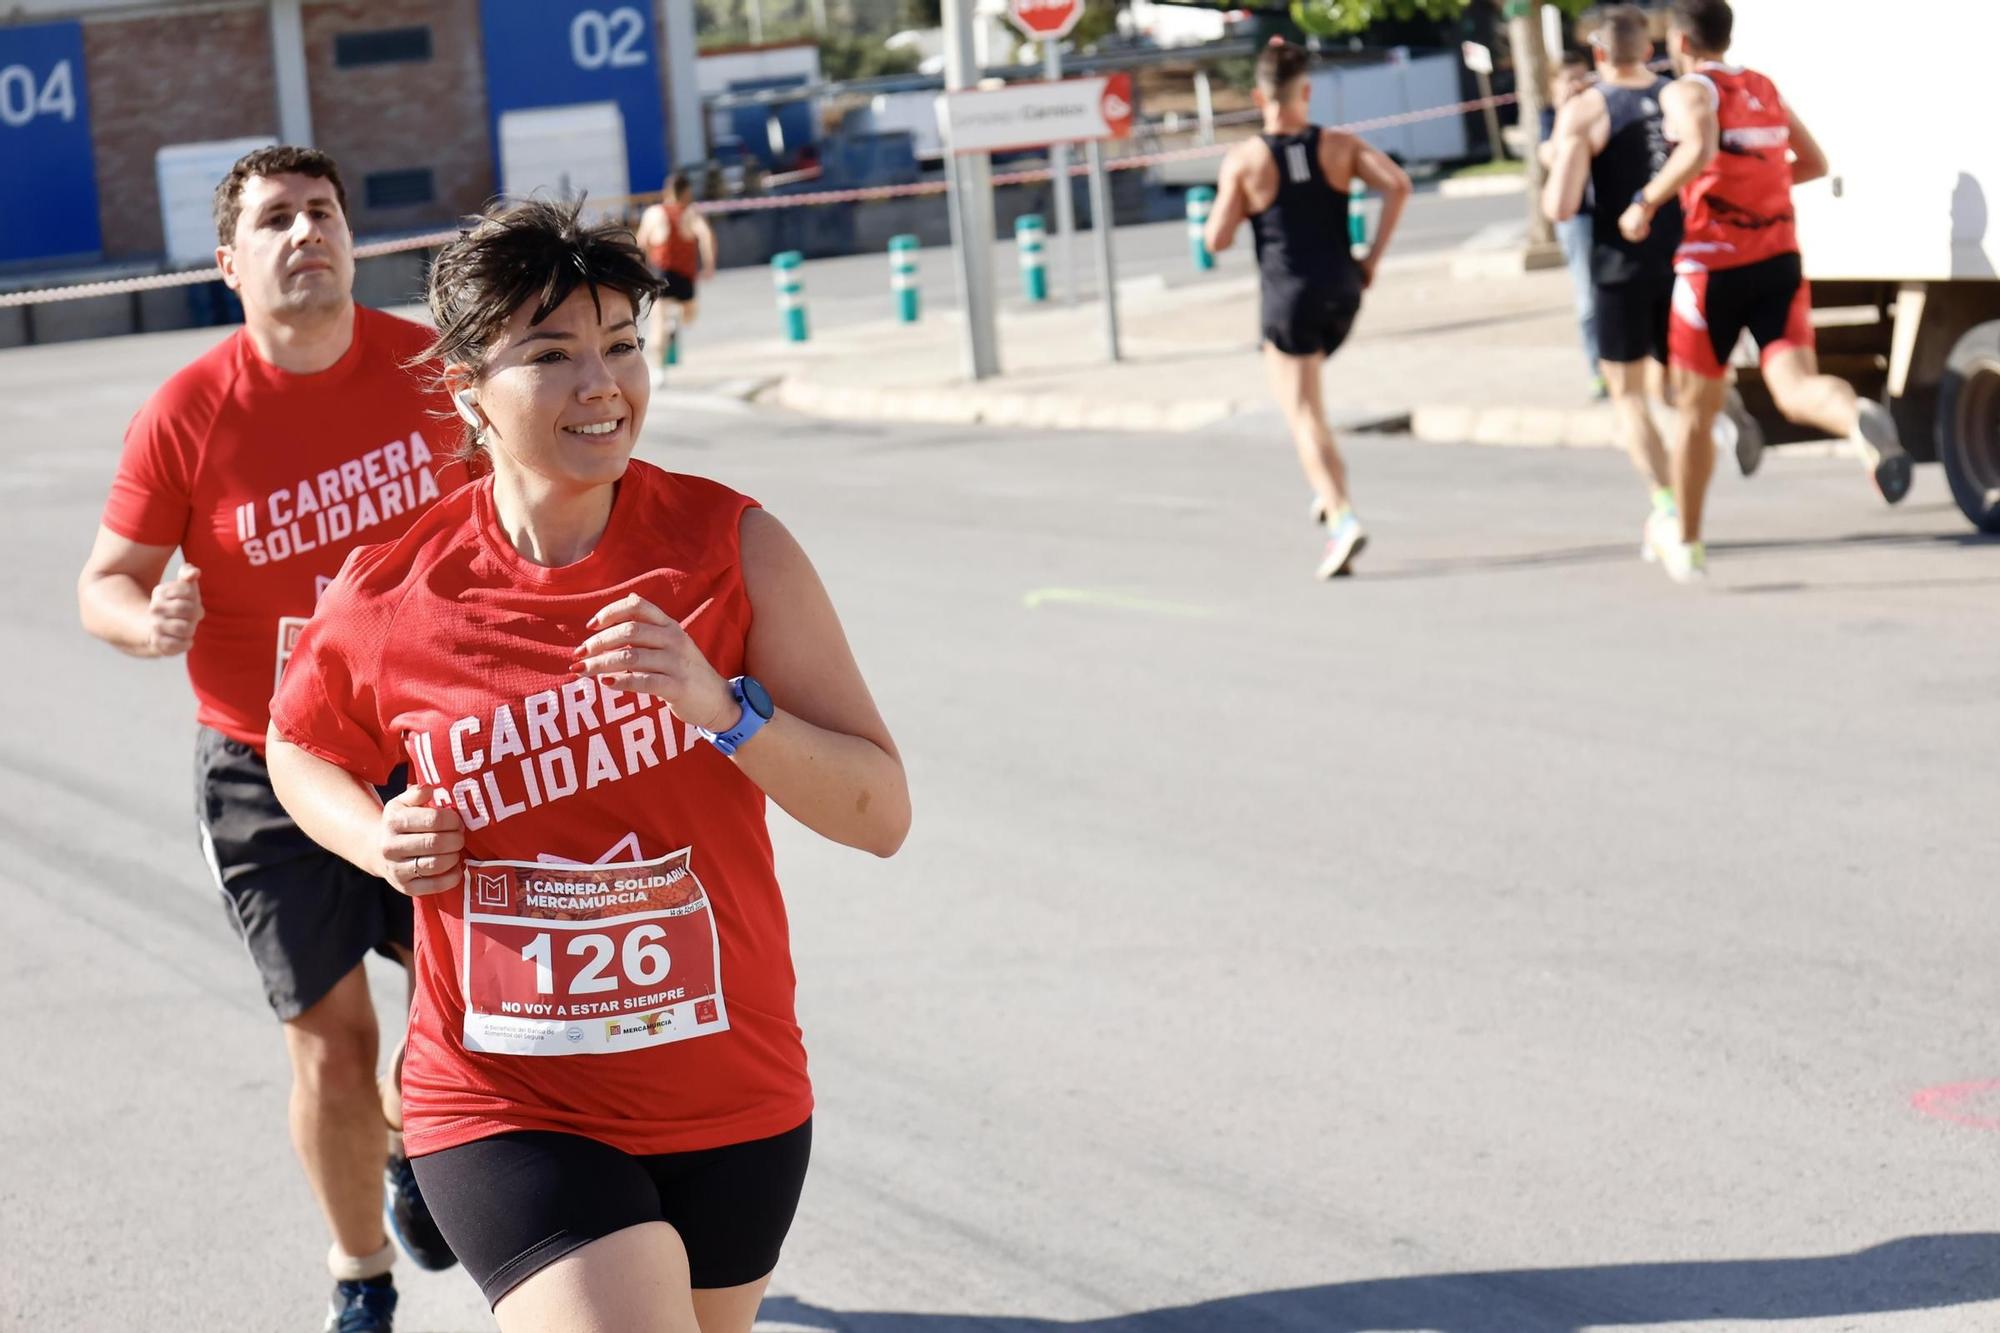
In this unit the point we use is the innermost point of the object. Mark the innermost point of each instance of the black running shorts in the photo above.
(1632, 318)
(307, 916)
(513, 1204)
(676, 286)
(1770, 299)
(1302, 320)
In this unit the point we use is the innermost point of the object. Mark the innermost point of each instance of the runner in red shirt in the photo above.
(606, 1090)
(294, 440)
(680, 245)
(1739, 151)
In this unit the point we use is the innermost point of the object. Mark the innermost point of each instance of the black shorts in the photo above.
(1632, 318)
(1302, 320)
(307, 916)
(676, 286)
(1770, 299)
(513, 1204)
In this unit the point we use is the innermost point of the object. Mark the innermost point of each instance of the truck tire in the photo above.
(1968, 424)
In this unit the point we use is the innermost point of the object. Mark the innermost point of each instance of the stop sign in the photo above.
(1045, 19)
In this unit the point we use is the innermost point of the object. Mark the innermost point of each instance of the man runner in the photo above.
(298, 438)
(680, 246)
(1291, 184)
(1739, 150)
(1611, 139)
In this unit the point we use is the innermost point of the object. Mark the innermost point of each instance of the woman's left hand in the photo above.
(636, 646)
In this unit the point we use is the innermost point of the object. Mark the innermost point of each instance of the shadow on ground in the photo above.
(1916, 1273)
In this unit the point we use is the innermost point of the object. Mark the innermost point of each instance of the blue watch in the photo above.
(757, 710)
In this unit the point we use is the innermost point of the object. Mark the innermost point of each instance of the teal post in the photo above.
(1200, 201)
(1032, 235)
(788, 276)
(903, 276)
(1357, 216)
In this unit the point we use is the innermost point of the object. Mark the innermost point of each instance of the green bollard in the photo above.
(1032, 235)
(788, 276)
(903, 276)
(1200, 200)
(1357, 217)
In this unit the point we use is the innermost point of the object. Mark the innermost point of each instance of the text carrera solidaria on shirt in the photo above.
(551, 745)
(337, 503)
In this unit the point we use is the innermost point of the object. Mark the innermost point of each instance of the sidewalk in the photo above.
(1491, 360)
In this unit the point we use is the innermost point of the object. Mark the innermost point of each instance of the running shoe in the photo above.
(1317, 512)
(1662, 529)
(410, 1220)
(1343, 543)
(362, 1307)
(1685, 562)
(1599, 390)
(1737, 432)
(1882, 449)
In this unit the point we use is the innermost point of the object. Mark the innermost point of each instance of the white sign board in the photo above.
(1034, 115)
(1477, 58)
(188, 174)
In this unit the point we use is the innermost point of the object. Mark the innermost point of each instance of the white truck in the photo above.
(1898, 240)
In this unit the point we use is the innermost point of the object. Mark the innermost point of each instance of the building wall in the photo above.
(403, 115)
(160, 78)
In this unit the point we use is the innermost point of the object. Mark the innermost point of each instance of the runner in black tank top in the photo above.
(1312, 286)
(1612, 138)
(1284, 185)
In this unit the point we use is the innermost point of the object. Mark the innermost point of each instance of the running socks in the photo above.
(1663, 501)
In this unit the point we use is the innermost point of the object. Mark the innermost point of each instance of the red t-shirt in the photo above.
(1739, 209)
(617, 962)
(265, 480)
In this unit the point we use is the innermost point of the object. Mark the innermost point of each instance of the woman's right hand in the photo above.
(422, 842)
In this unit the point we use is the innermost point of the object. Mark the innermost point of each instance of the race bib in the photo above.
(566, 959)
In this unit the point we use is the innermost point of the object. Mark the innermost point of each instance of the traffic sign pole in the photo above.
(1101, 223)
(1060, 182)
(971, 184)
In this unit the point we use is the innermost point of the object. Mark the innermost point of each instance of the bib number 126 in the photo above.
(645, 960)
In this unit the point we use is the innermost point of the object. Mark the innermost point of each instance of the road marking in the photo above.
(1954, 1102)
(1041, 597)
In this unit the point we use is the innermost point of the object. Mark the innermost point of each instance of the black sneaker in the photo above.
(410, 1219)
(362, 1307)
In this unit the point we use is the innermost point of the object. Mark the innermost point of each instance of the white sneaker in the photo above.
(1685, 562)
(1343, 543)
(1882, 450)
(1660, 528)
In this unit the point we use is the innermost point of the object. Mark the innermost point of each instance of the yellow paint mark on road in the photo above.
(1112, 601)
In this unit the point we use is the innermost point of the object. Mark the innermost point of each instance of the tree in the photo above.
(1341, 18)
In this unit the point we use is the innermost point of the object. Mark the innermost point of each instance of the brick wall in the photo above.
(168, 78)
(407, 114)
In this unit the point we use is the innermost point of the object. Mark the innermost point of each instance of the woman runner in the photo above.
(597, 671)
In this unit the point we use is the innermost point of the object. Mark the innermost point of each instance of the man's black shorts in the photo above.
(513, 1204)
(1632, 318)
(676, 286)
(1303, 320)
(306, 915)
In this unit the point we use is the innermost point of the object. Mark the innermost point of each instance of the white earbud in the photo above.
(463, 401)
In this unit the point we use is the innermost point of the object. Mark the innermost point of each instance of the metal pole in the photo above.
(1060, 183)
(1101, 223)
(683, 89)
(972, 192)
(1495, 145)
(757, 21)
(1204, 107)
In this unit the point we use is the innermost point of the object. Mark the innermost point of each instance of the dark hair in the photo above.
(1279, 65)
(679, 186)
(522, 252)
(279, 160)
(1622, 35)
(1577, 58)
(1708, 23)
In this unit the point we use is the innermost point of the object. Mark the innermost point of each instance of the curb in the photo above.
(989, 407)
(1482, 187)
(1516, 427)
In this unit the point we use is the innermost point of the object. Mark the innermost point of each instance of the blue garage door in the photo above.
(543, 53)
(48, 187)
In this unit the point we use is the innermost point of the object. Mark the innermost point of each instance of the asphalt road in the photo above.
(1500, 941)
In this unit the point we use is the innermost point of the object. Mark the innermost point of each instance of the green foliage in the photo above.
(1340, 18)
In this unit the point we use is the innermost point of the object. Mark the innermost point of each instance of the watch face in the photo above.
(759, 699)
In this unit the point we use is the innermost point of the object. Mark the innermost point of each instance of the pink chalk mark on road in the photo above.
(1959, 1103)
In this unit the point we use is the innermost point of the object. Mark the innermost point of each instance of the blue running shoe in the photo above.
(410, 1220)
(362, 1307)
